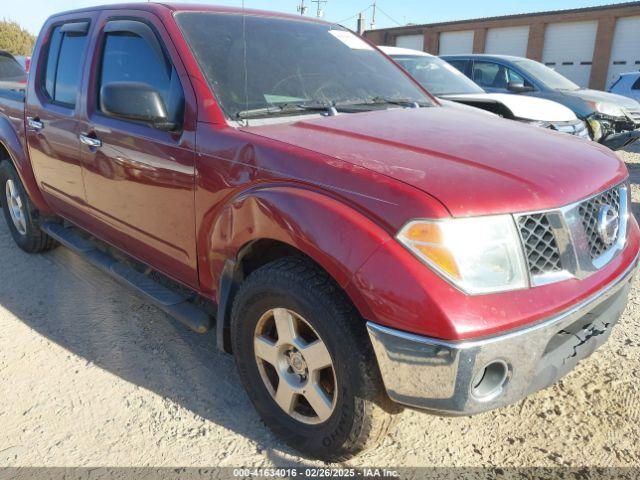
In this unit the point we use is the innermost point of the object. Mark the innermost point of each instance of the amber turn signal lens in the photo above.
(424, 232)
(441, 257)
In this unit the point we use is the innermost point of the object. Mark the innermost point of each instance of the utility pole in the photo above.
(362, 24)
(302, 8)
(373, 17)
(320, 10)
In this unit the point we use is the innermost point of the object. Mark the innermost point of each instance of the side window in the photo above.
(63, 64)
(515, 77)
(128, 57)
(459, 64)
(636, 84)
(490, 75)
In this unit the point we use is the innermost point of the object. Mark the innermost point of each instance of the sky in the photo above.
(30, 14)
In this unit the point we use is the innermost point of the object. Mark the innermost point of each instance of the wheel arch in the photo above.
(13, 151)
(274, 223)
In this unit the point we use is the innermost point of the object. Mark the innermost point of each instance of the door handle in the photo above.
(90, 141)
(35, 123)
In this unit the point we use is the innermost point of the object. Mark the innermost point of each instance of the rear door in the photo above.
(52, 114)
(461, 64)
(140, 179)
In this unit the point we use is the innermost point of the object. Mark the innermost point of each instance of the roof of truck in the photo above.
(391, 51)
(186, 7)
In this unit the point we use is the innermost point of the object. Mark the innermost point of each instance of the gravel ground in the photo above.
(90, 375)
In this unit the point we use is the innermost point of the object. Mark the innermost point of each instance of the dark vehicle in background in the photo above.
(447, 83)
(613, 119)
(12, 75)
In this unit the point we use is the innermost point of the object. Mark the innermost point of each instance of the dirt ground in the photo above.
(91, 375)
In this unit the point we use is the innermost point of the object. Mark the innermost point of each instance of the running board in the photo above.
(172, 303)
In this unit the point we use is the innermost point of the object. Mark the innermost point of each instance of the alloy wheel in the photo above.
(296, 366)
(16, 207)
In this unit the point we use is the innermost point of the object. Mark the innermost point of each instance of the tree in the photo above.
(15, 39)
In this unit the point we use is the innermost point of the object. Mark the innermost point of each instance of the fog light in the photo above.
(489, 381)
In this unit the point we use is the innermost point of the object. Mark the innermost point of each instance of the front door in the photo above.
(139, 178)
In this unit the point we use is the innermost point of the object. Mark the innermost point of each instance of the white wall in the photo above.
(415, 42)
(568, 49)
(507, 41)
(452, 43)
(625, 51)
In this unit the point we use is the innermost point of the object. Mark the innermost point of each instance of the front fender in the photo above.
(10, 140)
(335, 235)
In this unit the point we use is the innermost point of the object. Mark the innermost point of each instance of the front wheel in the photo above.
(306, 361)
(21, 215)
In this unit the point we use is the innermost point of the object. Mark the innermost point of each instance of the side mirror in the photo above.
(518, 87)
(135, 101)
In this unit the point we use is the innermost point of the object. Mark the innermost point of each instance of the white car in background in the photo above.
(446, 82)
(628, 85)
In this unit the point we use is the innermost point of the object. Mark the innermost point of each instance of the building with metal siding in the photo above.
(591, 46)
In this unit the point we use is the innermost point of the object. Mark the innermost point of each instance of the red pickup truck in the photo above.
(356, 246)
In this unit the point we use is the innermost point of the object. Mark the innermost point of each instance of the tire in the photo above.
(26, 231)
(362, 414)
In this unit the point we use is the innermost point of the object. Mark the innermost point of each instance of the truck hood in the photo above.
(526, 108)
(475, 165)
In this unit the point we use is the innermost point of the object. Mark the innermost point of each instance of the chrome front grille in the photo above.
(567, 242)
(589, 211)
(541, 248)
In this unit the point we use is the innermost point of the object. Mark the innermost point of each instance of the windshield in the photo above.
(283, 62)
(10, 69)
(436, 75)
(544, 74)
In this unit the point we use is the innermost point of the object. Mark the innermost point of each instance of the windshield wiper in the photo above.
(328, 108)
(403, 102)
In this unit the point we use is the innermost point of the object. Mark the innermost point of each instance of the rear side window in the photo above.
(128, 57)
(64, 65)
(459, 64)
(636, 84)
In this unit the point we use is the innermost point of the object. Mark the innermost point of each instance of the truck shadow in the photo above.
(66, 300)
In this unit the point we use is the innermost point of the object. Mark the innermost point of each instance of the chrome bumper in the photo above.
(452, 378)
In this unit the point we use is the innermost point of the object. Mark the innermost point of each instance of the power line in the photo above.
(355, 15)
(390, 17)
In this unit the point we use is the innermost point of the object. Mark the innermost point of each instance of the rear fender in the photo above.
(18, 156)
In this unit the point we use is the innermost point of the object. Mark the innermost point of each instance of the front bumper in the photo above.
(615, 132)
(447, 378)
(617, 141)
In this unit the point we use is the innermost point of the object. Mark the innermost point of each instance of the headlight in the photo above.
(610, 109)
(478, 255)
(596, 129)
(539, 123)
